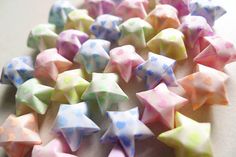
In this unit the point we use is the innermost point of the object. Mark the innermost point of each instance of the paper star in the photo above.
(189, 138)
(70, 85)
(208, 9)
(58, 13)
(205, 86)
(117, 151)
(55, 148)
(49, 64)
(124, 59)
(105, 90)
(93, 55)
(169, 42)
(216, 52)
(162, 17)
(73, 125)
(80, 20)
(136, 32)
(69, 43)
(181, 5)
(18, 70)
(157, 69)
(125, 128)
(32, 95)
(19, 134)
(42, 37)
(160, 104)
(106, 27)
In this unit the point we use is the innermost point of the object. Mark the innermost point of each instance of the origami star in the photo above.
(73, 125)
(189, 138)
(49, 64)
(32, 95)
(58, 13)
(42, 37)
(93, 55)
(136, 32)
(160, 104)
(169, 42)
(70, 85)
(18, 70)
(157, 69)
(80, 20)
(162, 17)
(205, 86)
(105, 90)
(181, 5)
(216, 52)
(117, 151)
(125, 128)
(69, 43)
(123, 59)
(208, 9)
(106, 27)
(19, 134)
(55, 148)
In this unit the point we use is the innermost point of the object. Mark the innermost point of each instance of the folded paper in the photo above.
(93, 55)
(157, 69)
(189, 138)
(42, 37)
(136, 32)
(73, 125)
(49, 64)
(125, 128)
(205, 86)
(169, 42)
(117, 151)
(19, 134)
(105, 90)
(160, 104)
(183, 6)
(18, 70)
(32, 95)
(123, 60)
(69, 87)
(106, 27)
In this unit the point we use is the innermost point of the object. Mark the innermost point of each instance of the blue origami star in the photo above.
(125, 128)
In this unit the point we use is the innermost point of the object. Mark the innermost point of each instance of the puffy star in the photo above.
(19, 134)
(181, 5)
(69, 87)
(123, 59)
(205, 86)
(160, 104)
(105, 90)
(157, 69)
(73, 124)
(18, 70)
(125, 128)
(189, 138)
(32, 95)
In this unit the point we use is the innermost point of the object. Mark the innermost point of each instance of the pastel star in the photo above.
(157, 69)
(32, 95)
(73, 125)
(189, 138)
(181, 5)
(105, 90)
(208, 9)
(70, 85)
(160, 105)
(19, 134)
(18, 70)
(216, 52)
(205, 86)
(125, 128)
(49, 64)
(123, 59)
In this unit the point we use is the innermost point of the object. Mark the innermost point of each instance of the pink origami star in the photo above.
(117, 151)
(124, 59)
(160, 104)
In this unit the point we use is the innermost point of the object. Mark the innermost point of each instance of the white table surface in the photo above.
(17, 17)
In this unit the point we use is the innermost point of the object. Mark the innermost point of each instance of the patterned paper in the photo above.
(182, 6)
